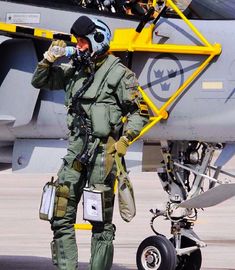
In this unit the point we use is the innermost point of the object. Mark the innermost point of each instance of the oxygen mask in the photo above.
(81, 58)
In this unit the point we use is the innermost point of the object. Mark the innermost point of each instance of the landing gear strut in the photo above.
(192, 261)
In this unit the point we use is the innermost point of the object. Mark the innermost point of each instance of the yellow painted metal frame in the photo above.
(7, 27)
(130, 40)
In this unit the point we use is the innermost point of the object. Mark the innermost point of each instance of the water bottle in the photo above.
(60, 51)
(69, 51)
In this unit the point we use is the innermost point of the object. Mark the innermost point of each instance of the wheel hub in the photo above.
(151, 258)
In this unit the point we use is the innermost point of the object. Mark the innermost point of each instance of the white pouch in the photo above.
(98, 203)
(47, 201)
(93, 205)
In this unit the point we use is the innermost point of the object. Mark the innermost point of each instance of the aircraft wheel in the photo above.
(156, 252)
(188, 262)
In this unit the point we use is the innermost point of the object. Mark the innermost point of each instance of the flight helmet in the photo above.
(95, 31)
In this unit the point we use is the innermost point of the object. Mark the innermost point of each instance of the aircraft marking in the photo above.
(212, 85)
(163, 83)
(18, 17)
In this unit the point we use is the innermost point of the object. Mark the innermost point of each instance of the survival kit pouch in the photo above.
(54, 200)
(46, 209)
(126, 199)
(61, 200)
(98, 203)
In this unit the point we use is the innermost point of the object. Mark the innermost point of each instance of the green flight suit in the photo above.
(112, 95)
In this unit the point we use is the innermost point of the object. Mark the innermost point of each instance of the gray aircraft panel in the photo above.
(52, 104)
(211, 197)
(28, 153)
(18, 97)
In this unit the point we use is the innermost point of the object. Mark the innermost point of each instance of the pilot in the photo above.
(99, 92)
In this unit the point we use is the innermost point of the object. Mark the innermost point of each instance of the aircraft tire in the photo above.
(156, 252)
(188, 262)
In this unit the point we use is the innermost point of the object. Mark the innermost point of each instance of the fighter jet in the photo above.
(183, 55)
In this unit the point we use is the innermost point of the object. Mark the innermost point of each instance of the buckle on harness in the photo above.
(87, 156)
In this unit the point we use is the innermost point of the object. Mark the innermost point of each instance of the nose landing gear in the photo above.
(184, 171)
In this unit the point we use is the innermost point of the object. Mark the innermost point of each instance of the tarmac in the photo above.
(25, 239)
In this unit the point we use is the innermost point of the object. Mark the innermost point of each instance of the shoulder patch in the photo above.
(130, 80)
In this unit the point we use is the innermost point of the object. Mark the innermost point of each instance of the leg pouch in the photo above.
(98, 203)
(61, 200)
(46, 210)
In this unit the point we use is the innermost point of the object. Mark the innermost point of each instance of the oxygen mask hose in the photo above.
(76, 107)
(82, 58)
(85, 60)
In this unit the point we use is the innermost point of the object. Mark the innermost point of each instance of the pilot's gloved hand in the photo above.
(55, 51)
(120, 146)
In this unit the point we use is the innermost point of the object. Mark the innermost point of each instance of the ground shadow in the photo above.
(37, 263)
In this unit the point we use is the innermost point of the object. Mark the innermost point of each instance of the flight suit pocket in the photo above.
(100, 120)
